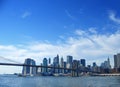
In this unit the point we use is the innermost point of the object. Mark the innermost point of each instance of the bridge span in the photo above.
(12, 64)
(75, 71)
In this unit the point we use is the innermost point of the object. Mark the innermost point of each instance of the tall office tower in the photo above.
(75, 64)
(69, 62)
(62, 65)
(61, 62)
(56, 60)
(56, 63)
(49, 62)
(94, 64)
(27, 70)
(89, 67)
(109, 66)
(45, 63)
(83, 62)
(106, 64)
(69, 59)
(117, 60)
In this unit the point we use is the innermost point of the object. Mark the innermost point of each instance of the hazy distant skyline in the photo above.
(36, 29)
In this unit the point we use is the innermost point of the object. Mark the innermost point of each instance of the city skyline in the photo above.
(43, 28)
(70, 63)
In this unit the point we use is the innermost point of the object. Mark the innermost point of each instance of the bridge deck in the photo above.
(11, 64)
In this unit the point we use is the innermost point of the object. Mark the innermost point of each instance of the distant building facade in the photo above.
(106, 64)
(56, 64)
(69, 62)
(62, 65)
(69, 59)
(27, 70)
(83, 62)
(117, 62)
(45, 63)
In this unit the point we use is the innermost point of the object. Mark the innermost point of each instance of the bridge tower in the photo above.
(75, 71)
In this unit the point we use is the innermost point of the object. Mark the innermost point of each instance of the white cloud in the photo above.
(25, 14)
(92, 47)
(92, 30)
(80, 32)
(113, 17)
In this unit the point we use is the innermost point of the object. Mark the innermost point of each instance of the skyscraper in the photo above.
(45, 63)
(49, 61)
(106, 64)
(56, 60)
(69, 62)
(61, 62)
(56, 63)
(83, 62)
(27, 70)
(62, 65)
(69, 59)
(117, 60)
(94, 64)
(109, 66)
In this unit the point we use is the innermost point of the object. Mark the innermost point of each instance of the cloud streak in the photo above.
(91, 47)
(69, 15)
(113, 17)
(25, 14)
(84, 43)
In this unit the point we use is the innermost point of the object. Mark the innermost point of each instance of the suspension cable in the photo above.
(10, 60)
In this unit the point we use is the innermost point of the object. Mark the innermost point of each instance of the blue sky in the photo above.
(83, 28)
(49, 19)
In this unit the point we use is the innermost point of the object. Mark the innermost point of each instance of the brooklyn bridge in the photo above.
(74, 70)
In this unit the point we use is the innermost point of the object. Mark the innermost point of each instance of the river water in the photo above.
(42, 81)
